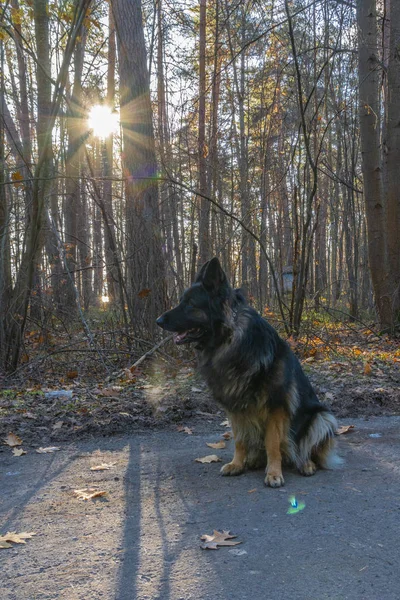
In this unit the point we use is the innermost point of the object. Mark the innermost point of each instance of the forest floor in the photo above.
(357, 373)
(138, 538)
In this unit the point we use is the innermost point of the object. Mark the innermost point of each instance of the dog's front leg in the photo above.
(238, 462)
(274, 435)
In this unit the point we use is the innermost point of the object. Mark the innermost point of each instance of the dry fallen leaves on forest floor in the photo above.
(89, 493)
(218, 538)
(354, 369)
(12, 537)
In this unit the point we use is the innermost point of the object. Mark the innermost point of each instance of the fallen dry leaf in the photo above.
(15, 538)
(12, 440)
(18, 451)
(47, 450)
(228, 435)
(185, 429)
(29, 415)
(128, 375)
(103, 467)
(252, 491)
(225, 423)
(209, 459)
(72, 374)
(88, 493)
(58, 425)
(367, 369)
(344, 429)
(218, 538)
(109, 392)
(216, 445)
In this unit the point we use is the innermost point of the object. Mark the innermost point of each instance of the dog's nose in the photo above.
(160, 321)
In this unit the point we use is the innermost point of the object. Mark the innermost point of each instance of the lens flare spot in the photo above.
(295, 505)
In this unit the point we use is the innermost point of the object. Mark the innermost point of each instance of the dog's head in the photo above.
(199, 313)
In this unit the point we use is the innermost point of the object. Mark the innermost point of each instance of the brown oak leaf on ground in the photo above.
(218, 538)
(15, 538)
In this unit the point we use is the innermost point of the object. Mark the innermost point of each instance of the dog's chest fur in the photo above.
(236, 381)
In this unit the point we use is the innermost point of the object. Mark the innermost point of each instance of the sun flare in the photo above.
(102, 121)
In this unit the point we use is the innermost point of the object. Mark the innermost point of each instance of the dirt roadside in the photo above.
(164, 397)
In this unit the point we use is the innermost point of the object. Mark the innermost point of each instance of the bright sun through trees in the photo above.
(103, 121)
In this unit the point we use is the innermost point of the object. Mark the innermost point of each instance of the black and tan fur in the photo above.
(253, 374)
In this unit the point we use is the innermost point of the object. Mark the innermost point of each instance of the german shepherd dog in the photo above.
(255, 377)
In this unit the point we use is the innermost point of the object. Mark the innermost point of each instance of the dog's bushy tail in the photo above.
(318, 443)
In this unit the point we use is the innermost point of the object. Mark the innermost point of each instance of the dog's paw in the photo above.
(232, 469)
(274, 480)
(308, 468)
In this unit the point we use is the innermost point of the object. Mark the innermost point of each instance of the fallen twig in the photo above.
(150, 352)
(141, 359)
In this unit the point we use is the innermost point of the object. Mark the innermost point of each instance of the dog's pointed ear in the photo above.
(214, 276)
(200, 274)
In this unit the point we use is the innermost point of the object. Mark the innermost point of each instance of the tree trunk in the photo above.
(5, 258)
(169, 196)
(392, 155)
(73, 169)
(111, 253)
(145, 260)
(204, 206)
(381, 194)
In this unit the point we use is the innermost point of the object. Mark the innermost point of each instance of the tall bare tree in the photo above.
(145, 261)
(380, 169)
(204, 206)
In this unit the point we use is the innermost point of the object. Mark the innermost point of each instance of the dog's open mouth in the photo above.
(184, 337)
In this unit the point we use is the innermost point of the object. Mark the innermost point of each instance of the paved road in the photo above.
(141, 542)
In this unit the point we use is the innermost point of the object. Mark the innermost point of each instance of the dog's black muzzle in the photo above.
(161, 321)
